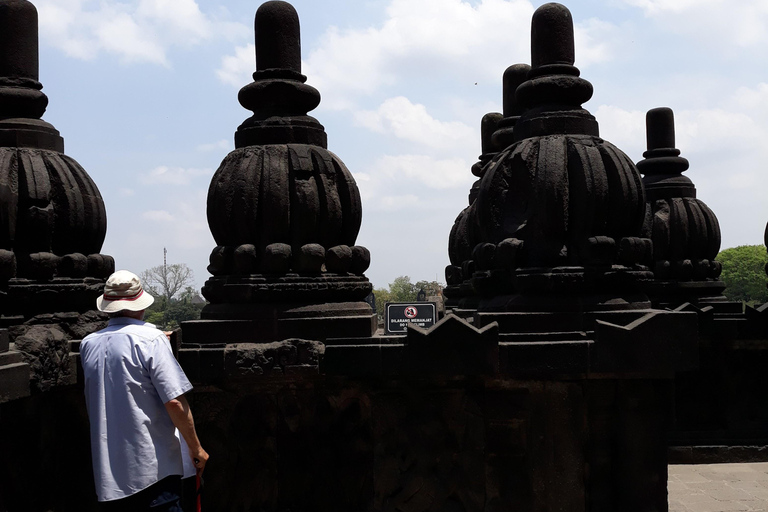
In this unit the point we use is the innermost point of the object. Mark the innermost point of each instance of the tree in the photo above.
(402, 290)
(168, 314)
(744, 273)
(167, 280)
(171, 286)
(431, 288)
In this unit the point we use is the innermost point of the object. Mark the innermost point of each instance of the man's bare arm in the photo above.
(181, 416)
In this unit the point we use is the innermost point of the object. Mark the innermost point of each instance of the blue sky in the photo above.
(144, 93)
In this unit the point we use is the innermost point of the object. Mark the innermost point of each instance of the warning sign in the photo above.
(400, 314)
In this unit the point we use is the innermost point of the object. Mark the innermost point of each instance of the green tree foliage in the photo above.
(744, 273)
(431, 288)
(167, 314)
(402, 290)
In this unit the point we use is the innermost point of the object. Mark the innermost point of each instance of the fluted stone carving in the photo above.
(284, 211)
(52, 217)
(560, 210)
(685, 232)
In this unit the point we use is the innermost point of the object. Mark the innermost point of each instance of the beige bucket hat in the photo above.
(123, 291)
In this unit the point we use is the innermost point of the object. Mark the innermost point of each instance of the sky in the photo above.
(144, 93)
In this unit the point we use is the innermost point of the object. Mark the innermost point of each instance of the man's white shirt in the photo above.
(130, 373)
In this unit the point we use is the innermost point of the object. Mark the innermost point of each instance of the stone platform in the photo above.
(718, 487)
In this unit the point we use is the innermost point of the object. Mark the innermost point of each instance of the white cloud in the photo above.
(182, 17)
(423, 42)
(126, 192)
(158, 216)
(411, 122)
(725, 144)
(135, 31)
(394, 203)
(624, 129)
(743, 23)
(181, 226)
(430, 172)
(752, 100)
(237, 69)
(121, 34)
(595, 41)
(420, 182)
(220, 145)
(164, 175)
(429, 37)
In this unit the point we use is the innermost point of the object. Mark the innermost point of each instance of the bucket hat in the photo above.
(124, 291)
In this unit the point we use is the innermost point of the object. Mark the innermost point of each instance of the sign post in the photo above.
(400, 314)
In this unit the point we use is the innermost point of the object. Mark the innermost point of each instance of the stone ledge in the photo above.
(717, 454)
(14, 380)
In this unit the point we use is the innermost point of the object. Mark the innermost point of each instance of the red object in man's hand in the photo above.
(199, 488)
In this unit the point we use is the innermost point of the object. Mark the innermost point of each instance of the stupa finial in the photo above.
(552, 47)
(278, 96)
(278, 37)
(514, 76)
(20, 94)
(554, 90)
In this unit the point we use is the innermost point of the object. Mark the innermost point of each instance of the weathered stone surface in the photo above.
(277, 259)
(46, 350)
(277, 358)
(310, 259)
(51, 213)
(338, 259)
(245, 259)
(361, 260)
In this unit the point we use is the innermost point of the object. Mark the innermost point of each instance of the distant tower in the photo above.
(52, 217)
(685, 232)
(284, 211)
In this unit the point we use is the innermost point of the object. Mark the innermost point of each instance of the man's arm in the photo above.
(181, 416)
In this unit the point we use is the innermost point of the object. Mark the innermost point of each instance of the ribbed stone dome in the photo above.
(294, 194)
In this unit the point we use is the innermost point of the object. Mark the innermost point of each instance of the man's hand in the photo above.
(199, 457)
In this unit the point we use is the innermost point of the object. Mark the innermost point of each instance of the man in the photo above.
(134, 392)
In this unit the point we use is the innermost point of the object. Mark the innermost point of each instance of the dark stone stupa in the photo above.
(684, 230)
(52, 216)
(560, 210)
(284, 211)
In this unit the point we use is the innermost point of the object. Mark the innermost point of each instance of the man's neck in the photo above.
(136, 315)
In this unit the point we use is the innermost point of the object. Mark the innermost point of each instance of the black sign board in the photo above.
(400, 314)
